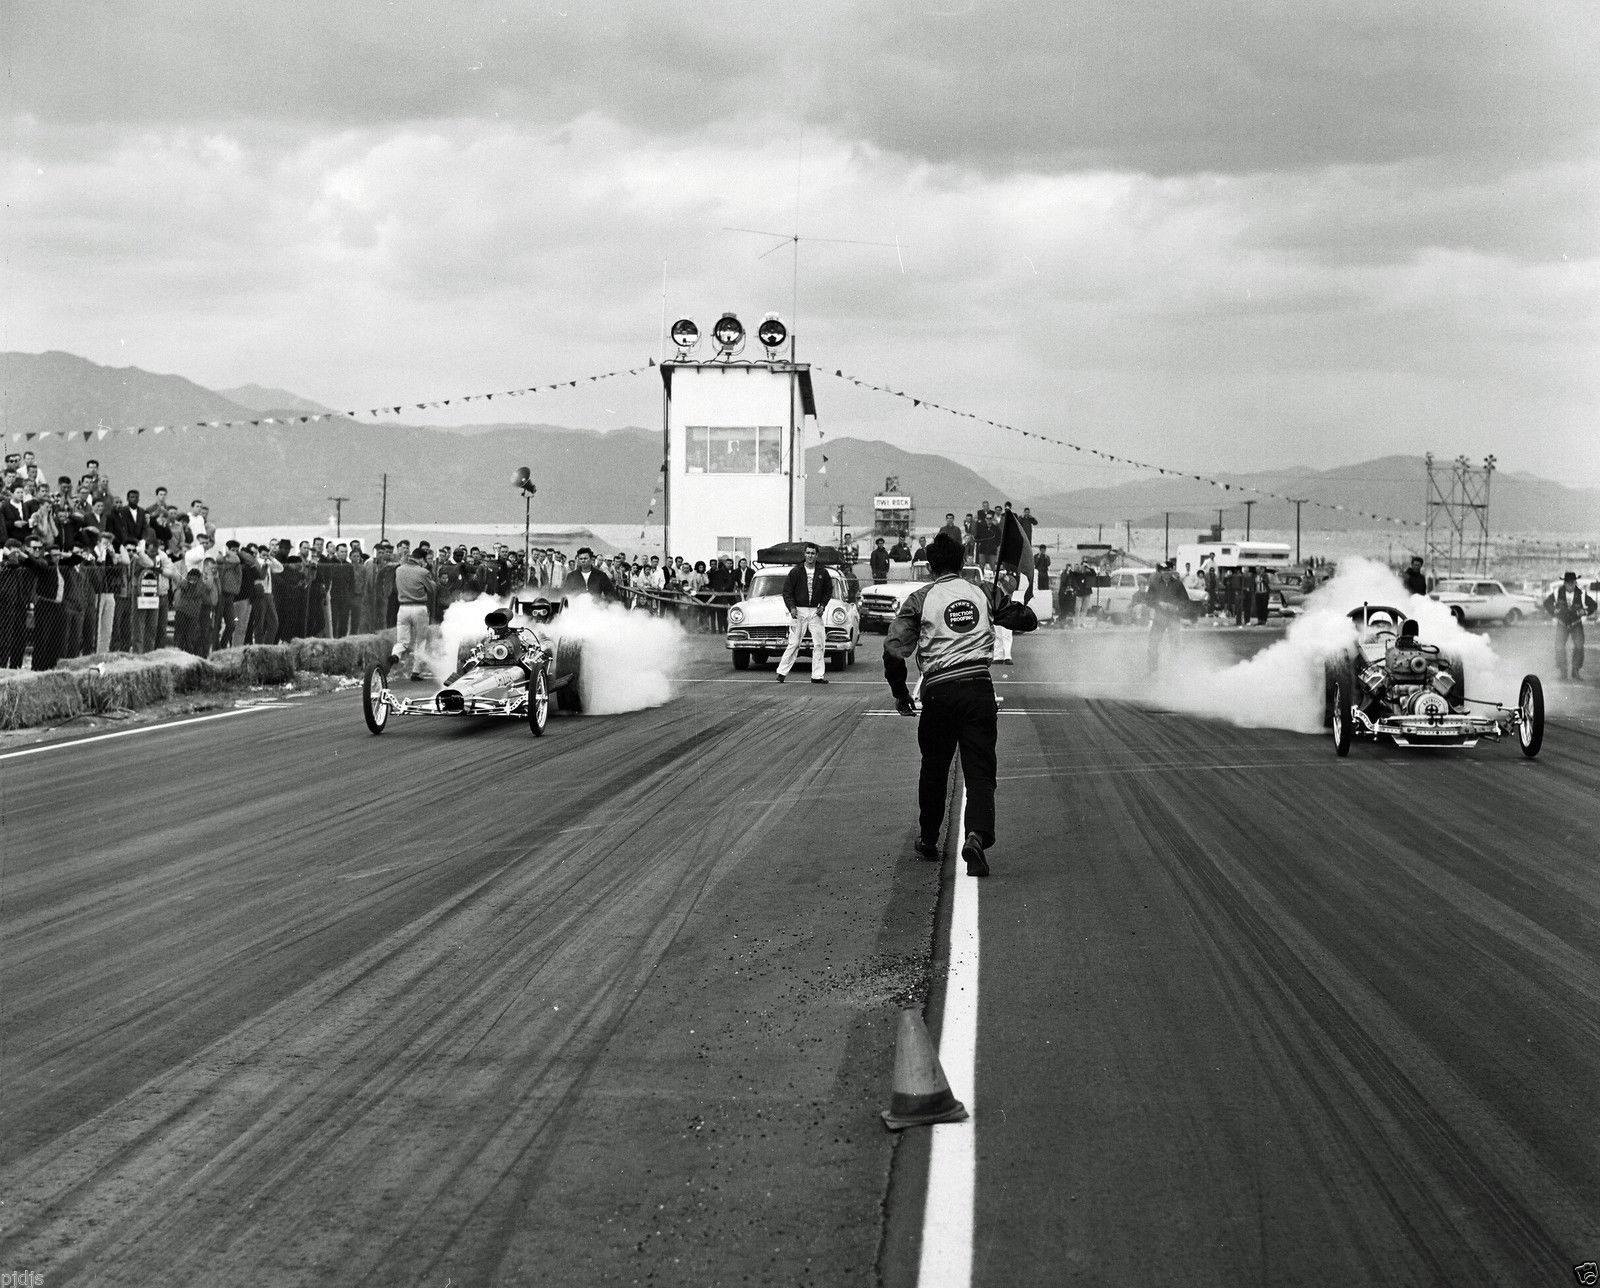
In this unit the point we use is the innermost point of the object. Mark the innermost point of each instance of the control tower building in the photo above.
(735, 440)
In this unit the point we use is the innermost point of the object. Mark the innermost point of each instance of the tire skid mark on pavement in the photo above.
(1367, 1064)
(279, 1099)
(1461, 1184)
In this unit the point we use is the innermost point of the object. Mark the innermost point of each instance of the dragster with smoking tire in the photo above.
(1390, 683)
(514, 672)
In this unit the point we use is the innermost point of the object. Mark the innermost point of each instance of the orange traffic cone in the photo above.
(921, 1094)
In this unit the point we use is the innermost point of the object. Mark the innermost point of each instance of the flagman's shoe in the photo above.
(817, 679)
(925, 848)
(780, 677)
(972, 852)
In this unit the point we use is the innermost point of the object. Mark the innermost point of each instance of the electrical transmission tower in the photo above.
(1456, 530)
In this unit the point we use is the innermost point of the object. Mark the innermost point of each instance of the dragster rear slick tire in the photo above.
(569, 675)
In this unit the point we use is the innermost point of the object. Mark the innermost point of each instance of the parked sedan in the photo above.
(881, 600)
(758, 626)
(1478, 603)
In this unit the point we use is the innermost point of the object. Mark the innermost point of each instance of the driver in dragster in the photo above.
(509, 642)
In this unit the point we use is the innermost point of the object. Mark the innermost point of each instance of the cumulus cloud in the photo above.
(1217, 235)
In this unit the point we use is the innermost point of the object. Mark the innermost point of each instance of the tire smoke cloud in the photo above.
(630, 659)
(1281, 687)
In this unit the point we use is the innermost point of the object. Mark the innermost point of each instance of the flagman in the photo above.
(949, 625)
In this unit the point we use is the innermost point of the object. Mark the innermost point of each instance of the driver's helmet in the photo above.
(538, 608)
(1380, 621)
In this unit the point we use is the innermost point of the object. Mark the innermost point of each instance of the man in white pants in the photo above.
(806, 592)
(415, 589)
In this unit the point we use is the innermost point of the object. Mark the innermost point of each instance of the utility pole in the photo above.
(1247, 507)
(841, 527)
(1166, 546)
(383, 514)
(1129, 524)
(1297, 506)
(1219, 523)
(338, 513)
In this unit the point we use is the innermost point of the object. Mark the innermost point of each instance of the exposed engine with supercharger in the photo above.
(1390, 683)
(1417, 683)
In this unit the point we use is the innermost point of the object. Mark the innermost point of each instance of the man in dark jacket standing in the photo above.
(1569, 604)
(289, 597)
(878, 561)
(806, 592)
(341, 575)
(52, 599)
(586, 579)
(128, 522)
(16, 591)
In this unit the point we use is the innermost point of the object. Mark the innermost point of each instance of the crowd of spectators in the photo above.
(86, 570)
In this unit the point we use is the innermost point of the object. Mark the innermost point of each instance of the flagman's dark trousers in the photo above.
(1569, 633)
(960, 713)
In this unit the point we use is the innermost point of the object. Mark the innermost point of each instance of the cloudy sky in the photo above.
(1216, 234)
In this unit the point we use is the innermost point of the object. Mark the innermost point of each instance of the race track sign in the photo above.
(891, 503)
(149, 591)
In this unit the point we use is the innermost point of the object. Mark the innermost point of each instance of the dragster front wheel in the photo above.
(373, 705)
(538, 702)
(1530, 716)
(1343, 724)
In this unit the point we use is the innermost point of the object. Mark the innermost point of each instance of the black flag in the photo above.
(1014, 546)
(1016, 555)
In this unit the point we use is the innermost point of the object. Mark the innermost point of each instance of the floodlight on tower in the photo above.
(728, 334)
(685, 335)
(772, 333)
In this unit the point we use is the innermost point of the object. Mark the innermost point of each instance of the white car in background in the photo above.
(1476, 602)
(880, 602)
(758, 625)
(1116, 602)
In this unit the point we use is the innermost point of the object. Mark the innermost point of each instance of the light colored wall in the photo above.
(703, 507)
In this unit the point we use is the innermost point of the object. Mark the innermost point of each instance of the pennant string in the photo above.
(387, 409)
(925, 404)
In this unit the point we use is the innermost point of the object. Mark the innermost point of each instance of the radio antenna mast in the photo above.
(793, 240)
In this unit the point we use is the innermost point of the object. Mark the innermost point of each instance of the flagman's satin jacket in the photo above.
(948, 625)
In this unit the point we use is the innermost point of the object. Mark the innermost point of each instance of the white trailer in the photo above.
(1194, 558)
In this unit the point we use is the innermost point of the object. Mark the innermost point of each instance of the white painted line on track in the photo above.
(949, 1217)
(1004, 711)
(128, 733)
(796, 678)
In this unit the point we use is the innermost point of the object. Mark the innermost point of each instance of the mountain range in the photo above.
(288, 473)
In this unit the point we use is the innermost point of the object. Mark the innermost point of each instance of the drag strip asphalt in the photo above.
(286, 1003)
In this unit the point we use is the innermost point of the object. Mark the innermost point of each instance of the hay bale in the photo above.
(29, 698)
(229, 662)
(125, 687)
(268, 663)
(350, 655)
(112, 681)
(132, 681)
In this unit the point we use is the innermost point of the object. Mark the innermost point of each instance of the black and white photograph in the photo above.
(921, 645)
